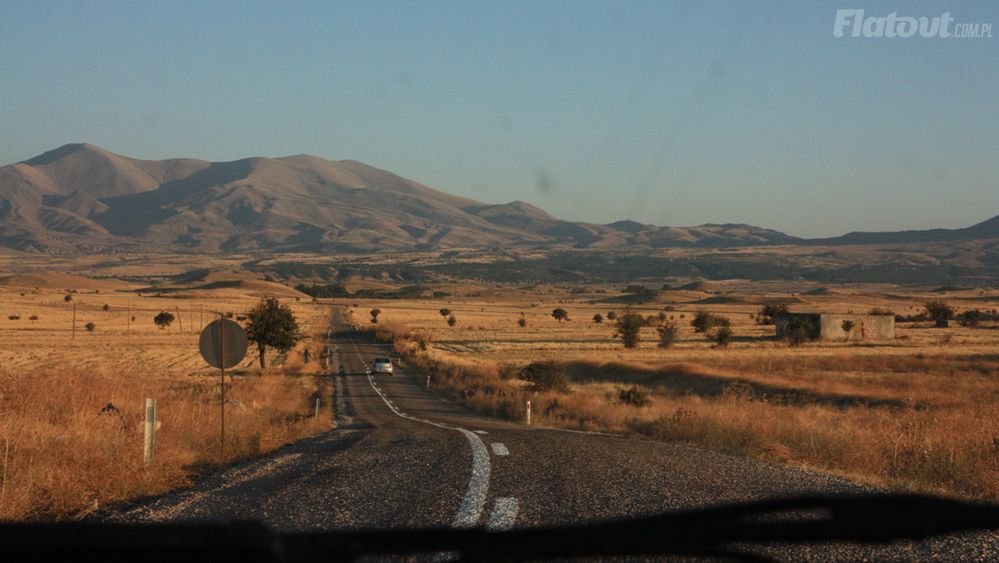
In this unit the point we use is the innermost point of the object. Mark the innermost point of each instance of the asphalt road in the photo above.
(402, 458)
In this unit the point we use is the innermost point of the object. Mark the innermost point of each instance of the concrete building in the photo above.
(829, 326)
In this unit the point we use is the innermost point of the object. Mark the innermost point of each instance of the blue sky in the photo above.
(669, 113)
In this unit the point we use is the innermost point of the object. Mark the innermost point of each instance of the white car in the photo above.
(382, 365)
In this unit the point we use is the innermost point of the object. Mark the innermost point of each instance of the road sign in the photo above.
(217, 332)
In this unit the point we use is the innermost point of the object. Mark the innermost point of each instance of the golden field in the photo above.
(917, 413)
(61, 457)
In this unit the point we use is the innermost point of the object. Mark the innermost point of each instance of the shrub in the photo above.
(768, 313)
(445, 312)
(522, 321)
(163, 319)
(848, 327)
(611, 315)
(374, 314)
(722, 336)
(451, 321)
(14, 317)
(635, 396)
(971, 318)
(667, 334)
(799, 331)
(33, 318)
(629, 328)
(560, 314)
(704, 321)
(939, 311)
(90, 327)
(106, 307)
(68, 298)
(598, 318)
(881, 311)
(546, 376)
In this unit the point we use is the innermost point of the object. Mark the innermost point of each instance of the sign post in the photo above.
(223, 345)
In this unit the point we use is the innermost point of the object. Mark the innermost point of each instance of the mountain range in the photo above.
(82, 198)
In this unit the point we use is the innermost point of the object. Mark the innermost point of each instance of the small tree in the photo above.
(768, 313)
(106, 308)
(799, 331)
(522, 321)
(939, 311)
(560, 314)
(445, 312)
(163, 319)
(374, 314)
(68, 298)
(848, 327)
(90, 327)
(722, 336)
(705, 321)
(271, 324)
(598, 318)
(629, 328)
(451, 321)
(611, 315)
(667, 334)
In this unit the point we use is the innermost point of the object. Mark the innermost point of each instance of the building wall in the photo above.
(830, 326)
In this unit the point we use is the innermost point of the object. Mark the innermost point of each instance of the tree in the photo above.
(163, 319)
(106, 307)
(374, 314)
(598, 318)
(768, 314)
(800, 330)
(611, 315)
(90, 327)
(667, 334)
(629, 328)
(522, 321)
(451, 321)
(848, 327)
(445, 312)
(68, 298)
(271, 324)
(722, 336)
(705, 321)
(560, 314)
(939, 311)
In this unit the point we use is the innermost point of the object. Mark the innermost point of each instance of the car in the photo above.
(382, 365)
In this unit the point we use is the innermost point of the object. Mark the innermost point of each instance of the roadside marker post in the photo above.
(528, 413)
(428, 381)
(149, 444)
(317, 408)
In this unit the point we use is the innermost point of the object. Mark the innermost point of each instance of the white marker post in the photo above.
(428, 381)
(317, 408)
(149, 445)
(528, 413)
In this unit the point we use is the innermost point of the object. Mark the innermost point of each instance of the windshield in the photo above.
(485, 268)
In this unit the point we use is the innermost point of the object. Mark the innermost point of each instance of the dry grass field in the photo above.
(62, 457)
(917, 413)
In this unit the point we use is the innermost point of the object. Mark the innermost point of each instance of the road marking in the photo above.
(504, 514)
(500, 449)
(474, 501)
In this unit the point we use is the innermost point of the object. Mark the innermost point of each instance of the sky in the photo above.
(671, 113)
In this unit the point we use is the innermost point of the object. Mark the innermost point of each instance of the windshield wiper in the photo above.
(723, 531)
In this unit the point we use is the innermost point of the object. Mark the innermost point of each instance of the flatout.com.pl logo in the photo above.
(854, 23)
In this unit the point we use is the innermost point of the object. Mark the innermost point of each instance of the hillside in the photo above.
(81, 198)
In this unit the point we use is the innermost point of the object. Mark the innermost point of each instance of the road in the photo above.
(402, 458)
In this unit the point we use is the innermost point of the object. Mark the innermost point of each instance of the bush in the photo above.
(704, 321)
(374, 315)
(799, 331)
(33, 318)
(90, 327)
(667, 334)
(635, 396)
(546, 376)
(629, 328)
(560, 314)
(445, 312)
(451, 321)
(722, 336)
(522, 321)
(611, 315)
(163, 319)
(768, 314)
(939, 311)
(68, 298)
(598, 318)
(881, 311)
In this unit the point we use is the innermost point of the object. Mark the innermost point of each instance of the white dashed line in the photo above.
(499, 448)
(504, 514)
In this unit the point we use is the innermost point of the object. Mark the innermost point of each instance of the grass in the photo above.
(927, 423)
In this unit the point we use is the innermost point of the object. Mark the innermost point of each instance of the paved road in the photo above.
(401, 458)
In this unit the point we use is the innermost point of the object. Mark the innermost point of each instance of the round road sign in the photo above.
(217, 333)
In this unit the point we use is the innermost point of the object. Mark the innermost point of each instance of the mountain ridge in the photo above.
(80, 197)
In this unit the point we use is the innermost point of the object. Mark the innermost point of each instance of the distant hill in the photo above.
(80, 197)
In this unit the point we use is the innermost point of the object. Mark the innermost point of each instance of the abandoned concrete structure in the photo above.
(829, 326)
